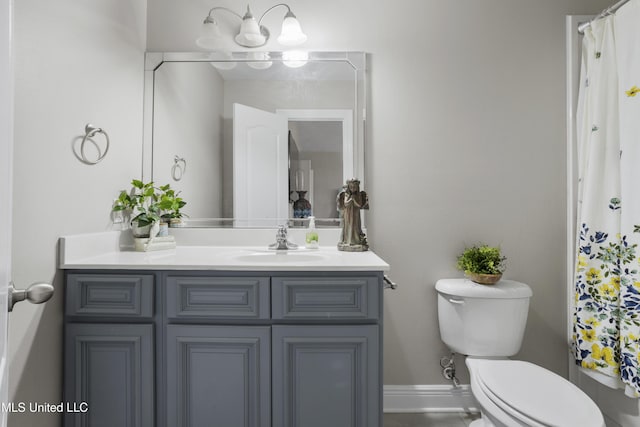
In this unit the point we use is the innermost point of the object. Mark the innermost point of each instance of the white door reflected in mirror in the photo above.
(260, 167)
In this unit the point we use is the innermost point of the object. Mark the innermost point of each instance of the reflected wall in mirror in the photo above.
(258, 138)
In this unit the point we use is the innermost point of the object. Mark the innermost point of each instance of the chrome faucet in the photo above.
(282, 243)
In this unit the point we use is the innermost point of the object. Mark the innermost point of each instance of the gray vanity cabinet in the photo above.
(325, 376)
(219, 373)
(109, 372)
(228, 349)
(109, 350)
(326, 352)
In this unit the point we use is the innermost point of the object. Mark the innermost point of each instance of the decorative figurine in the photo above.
(350, 201)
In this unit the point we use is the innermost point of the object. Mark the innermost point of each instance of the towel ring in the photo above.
(179, 168)
(90, 132)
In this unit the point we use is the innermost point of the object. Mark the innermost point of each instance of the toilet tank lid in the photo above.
(506, 289)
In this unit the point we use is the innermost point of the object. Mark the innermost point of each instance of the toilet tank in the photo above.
(482, 320)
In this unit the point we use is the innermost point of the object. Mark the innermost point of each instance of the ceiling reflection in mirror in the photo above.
(255, 142)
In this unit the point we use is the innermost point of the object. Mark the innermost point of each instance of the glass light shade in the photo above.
(249, 34)
(226, 63)
(295, 58)
(291, 34)
(263, 57)
(210, 36)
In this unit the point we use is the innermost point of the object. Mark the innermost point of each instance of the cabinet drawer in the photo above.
(217, 297)
(109, 295)
(325, 298)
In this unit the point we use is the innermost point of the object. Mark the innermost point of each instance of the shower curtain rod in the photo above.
(608, 11)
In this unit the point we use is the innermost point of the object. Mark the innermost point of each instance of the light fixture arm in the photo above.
(289, 13)
(209, 17)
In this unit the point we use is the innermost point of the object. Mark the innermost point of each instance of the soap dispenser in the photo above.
(312, 234)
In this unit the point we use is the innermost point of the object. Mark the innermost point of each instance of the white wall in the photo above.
(188, 121)
(75, 63)
(466, 143)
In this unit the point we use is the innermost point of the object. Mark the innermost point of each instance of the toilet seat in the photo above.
(535, 396)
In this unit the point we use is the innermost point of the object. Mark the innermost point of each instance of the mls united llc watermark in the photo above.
(21, 407)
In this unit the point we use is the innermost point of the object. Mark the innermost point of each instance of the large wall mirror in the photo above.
(253, 139)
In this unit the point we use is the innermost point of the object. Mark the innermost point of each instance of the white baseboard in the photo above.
(429, 398)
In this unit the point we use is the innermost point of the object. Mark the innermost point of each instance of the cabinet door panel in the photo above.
(110, 367)
(325, 298)
(218, 376)
(326, 376)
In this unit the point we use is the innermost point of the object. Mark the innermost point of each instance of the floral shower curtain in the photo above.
(607, 275)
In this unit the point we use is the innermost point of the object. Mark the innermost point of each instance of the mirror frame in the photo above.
(153, 60)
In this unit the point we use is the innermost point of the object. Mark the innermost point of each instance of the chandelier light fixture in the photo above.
(252, 33)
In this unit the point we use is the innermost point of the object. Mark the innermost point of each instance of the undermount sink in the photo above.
(279, 257)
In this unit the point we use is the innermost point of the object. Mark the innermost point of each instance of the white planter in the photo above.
(140, 231)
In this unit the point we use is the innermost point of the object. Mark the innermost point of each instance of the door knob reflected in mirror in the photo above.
(37, 293)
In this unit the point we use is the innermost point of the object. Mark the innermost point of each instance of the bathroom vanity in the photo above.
(233, 335)
(224, 336)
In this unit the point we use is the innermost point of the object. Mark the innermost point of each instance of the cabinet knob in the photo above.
(37, 293)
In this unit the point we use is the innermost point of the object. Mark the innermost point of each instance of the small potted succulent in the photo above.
(482, 264)
(146, 204)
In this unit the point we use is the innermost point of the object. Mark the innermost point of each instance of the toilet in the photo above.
(486, 323)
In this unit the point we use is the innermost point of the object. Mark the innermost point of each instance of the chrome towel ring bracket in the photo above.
(91, 131)
(179, 168)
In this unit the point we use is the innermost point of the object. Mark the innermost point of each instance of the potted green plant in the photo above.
(171, 204)
(140, 203)
(146, 204)
(482, 263)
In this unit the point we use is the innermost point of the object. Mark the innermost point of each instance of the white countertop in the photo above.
(103, 251)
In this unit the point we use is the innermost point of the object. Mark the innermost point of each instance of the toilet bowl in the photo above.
(486, 323)
(518, 393)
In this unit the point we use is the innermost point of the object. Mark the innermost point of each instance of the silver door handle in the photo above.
(37, 293)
